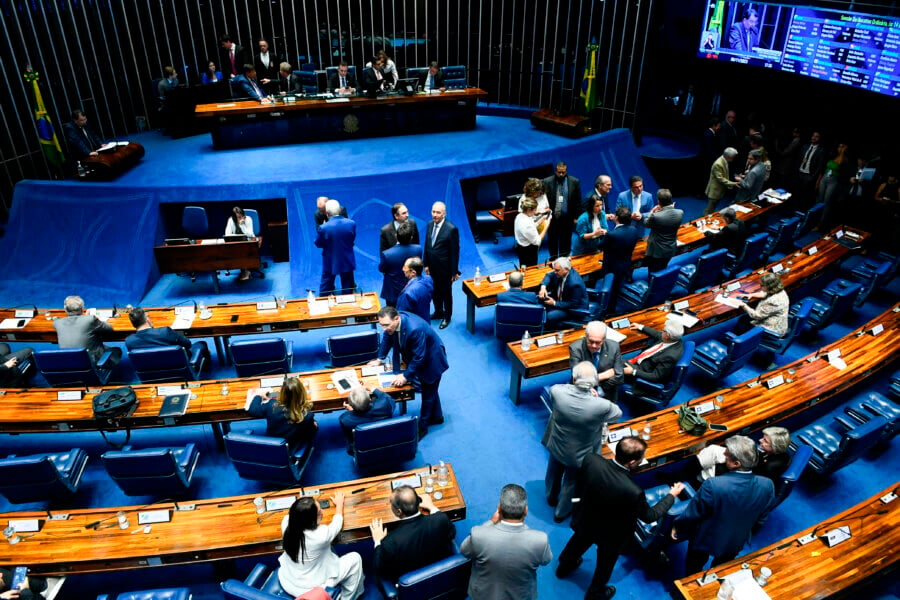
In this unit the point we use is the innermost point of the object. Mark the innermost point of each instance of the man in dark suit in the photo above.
(148, 336)
(246, 85)
(343, 81)
(610, 504)
(602, 187)
(727, 133)
(656, 363)
(718, 520)
(604, 354)
(16, 368)
(418, 345)
(232, 57)
(81, 139)
(563, 293)
(731, 237)
(373, 79)
(618, 251)
(388, 234)
(442, 261)
(288, 81)
(640, 202)
(319, 215)
(564, 195)
(416, 296)
(392, 261)
(663, 223)
(812, 164)
(364, 406)
(336, 238)
(515, 294)
(432, 80)
(417, 540)
(267, 65)
(78, 330)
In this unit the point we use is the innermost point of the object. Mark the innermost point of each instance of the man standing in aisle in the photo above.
(336, 238)
(663, 223)
(442, 261)
(564, 195)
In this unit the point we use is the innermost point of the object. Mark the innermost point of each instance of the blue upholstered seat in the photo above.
(641, 294)
(749, 256)
(415, 72)
(352, 348)
(718, 359)
(152, 471)
(41, 477)
(487, 198)
(194, 222)
(169, 363)
(895, 385)
(261, 584)
(837, 299)
(454, 77)
(66, 367)
(511, 321)
(837, 440)
(661, 394)
(157, 594)
(872, 271)
(872, 404)
(261, 356)
(445, 579)
(268, 459)
(797, 318)
(657, 535)
(705, 272)
(808, 219)
(387, 442)
(781, 236)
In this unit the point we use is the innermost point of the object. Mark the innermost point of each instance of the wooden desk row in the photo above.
(90, 540)
(689, 238)
(38, 410)
(814, 570)
(210, 255)
(753, 405)
(799, 268)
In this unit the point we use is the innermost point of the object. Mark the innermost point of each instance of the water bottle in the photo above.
(81, 170)
(560, 336)
(443, 474)
(477, 275)
(604, 433)
(526, 341)
(310, 297)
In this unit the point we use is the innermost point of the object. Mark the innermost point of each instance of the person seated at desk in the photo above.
(240, 224)
(589, 231)
(389, 69)
(606, 356)
(432, 80)
(211, 75)
(364, 405)
(656, 363)
(529, 234)
(148, 336)
(373, 77)
(515, 294)
(12, 375)
(308, 561)
(731, 237)
(288, 413)
(772, 311)
(80, 138)
(245, 86)
(168, 83)
(288, 81)
(78, 330)
(416, 296)
(343, 82)
(563, 292)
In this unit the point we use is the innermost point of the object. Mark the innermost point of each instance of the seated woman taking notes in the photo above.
(288, 415)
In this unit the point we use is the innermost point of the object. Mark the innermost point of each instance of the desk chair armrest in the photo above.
(238, 589)
(257, 576)
(647, 385)
(429, 571)
(387, 588)
(106, 361)
(197, 356)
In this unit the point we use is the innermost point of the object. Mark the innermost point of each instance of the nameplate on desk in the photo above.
(168, 390)
(226, 105)
(618, 434)
(280, 503)
(184, 311)
(877, 329)
(69, 395)
(704, 408)
(774, 382)
(24, 313)
(838, 234)
(373, 370)
(25, 525)
(620, 324)
(546, 341)
(313, 492)
(146, 517)
(681, 305)
(837, 535)
(267, 305)
(269, 382)
(412, 481)
(345, 299)
(497, 277)
(778, 268)
(812, 250)
(852, 235)
(94, 390)
(736, 285)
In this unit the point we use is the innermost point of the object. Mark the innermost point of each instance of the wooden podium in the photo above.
(573, 126)
(109, 164)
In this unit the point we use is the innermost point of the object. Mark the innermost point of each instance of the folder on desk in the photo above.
(175, 405)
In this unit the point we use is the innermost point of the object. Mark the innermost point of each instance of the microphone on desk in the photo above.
(96, 524)
(115, 312)
(174, 306)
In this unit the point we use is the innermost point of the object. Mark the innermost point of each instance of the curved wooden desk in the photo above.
(90, 540)
(814, 570)
(111, 163)
(798, 268)
(690, 237)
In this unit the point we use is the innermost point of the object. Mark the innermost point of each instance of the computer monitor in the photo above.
(177, 241)
(236, 238)
(407, 86)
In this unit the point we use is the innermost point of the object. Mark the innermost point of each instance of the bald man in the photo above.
(442, 261)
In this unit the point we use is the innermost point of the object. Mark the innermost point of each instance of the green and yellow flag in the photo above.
(46, 133)
(589, 84)
(715, 20)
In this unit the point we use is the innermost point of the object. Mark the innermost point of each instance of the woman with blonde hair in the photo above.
(288, 414)
(772, 310)
(529, 234)
(534, 189)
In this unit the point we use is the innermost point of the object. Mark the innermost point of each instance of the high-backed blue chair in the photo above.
(445, 579)
(257, 228)
(748, 257)
(387, 442)
(454, 77)
(598, 304)
(152, 471)
(268, 459)
(329, 71)
(718, 359)
(797, 318)
(265, 356)
(309, 81)
(261, 584)
(41, 477)
(169, 363)
(181, 593)
(653, 537)
(658, 286)
(808, 219)
(487, 197)
(788, 480)
(838, 299)
(837, 441)
(68, 367)
(660, 395)
(194, 222)
(705, 272)
(872, 404)
(415, 72)
(872, 271)
(352, 348)
(781, 235)
(511, 321)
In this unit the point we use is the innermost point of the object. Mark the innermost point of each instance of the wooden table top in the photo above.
(243, 107)
(814, 570)
(295, 316)
(689, 237)
(752, 405)
(214, 529)
(36, 410)
(798, 268)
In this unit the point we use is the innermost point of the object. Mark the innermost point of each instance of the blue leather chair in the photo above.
(872, 404)
(808, 219)
(599, 297)
(748, 257)
(797, 318)
(194, 222)
(257, 228)
(660, 395)
(718, 359)
(264, 356)
(837, 441)
(445, 579)
(268, 459)
(415, 72)
(261, 584)
(352, 348)
(872, 271)
(655, 536)
(705, 272)
(152, 471)
(309, 67)
(788, 480)
(781, 235)
(329, 71)
(309, 81)
(895, 385)
(169, 363)
(511, 321)
(158, 594)
(655, 290)
(68, 367)
(487, 197)
(454, 77)
(388, 442)
(838, 299)
(41, 477)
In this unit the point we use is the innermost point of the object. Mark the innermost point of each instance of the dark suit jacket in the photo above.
(87, 331)
(370, 82)
(382, 407)
(618, 249)
(388, 236)
(290, 84)
(81, 142)
(240, 59)
(730, 237)
(442, 257)
(610, 358)
(242, 88)
(663, 225)
(391, 264)
(413, 543)
(573, 197)
(419, 346)
(658, 368)
(574, 295)
(320, 217)
(416, 297)
(156, 336)
(647, 203)
(265, 71)
(438, 79)
(277, 424)
(611, 503)
(334, 82)
(336, 239)
(518, 296)
(816, 159)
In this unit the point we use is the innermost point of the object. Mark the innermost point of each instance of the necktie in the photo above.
(258, 91)
(431, 82)
(596, 360)
(231, 57)
(343, 81)
(647, 353)
(806, 157)
(559, 291)
(435, 234)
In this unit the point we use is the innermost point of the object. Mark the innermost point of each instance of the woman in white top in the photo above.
(529, 234)
(534, 189)
(240, 224)
(308, 561)
(388, 69)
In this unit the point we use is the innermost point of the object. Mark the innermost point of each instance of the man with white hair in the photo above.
(563, 293)
(78, 330)
(573, 432)
(319, 215)
(364, 405)
(442, 261)
(656, 363)
(596, 348)
(336, 238)
(719, 180)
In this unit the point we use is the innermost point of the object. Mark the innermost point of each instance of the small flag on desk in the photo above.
(46, 133)
(588, 84)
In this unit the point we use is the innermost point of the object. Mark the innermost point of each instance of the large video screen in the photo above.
(845, 47)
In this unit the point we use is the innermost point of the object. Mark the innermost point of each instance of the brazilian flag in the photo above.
(46, 133)
(715, 20)
(589, 83)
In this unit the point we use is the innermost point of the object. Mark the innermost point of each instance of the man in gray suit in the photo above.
(604, 354)
(750, 185)
(79, 330)
(573, 432)
(663, 222)
(505, 552)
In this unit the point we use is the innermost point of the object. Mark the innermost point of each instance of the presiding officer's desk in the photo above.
(753, 405)
(109, 164)
(90, 540)
(690, 236)
(240, 124)
(814, 570)
(37, 410)
(799, 268)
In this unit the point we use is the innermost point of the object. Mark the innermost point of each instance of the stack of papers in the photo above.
(727, 301)
(318, 308)
(184, 317)
(741, 209)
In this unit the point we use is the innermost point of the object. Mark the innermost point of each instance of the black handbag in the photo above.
(113, 405)
(690, 421)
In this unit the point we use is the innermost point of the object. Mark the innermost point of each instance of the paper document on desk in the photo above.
(212, 242)
(318, 308)
(741, 209)
(615, 335)
(727, 301)
(745, 586)
(13, 323)
(183, 321)
(687, 320)
(110, 146)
